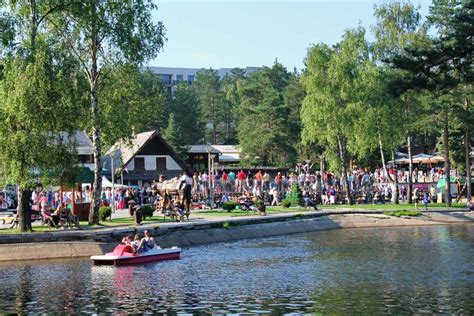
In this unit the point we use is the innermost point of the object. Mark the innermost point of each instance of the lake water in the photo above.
(401, 270)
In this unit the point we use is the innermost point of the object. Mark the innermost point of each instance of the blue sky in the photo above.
(239, 33)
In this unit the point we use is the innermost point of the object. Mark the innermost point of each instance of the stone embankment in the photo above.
(84, 243)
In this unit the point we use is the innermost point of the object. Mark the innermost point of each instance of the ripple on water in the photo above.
(371, 271)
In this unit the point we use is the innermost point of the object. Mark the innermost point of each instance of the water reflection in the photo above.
(396, 270)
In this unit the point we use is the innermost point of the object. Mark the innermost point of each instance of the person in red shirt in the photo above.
(258, 179)
(241, 176)
(225, 180)
(278, 179)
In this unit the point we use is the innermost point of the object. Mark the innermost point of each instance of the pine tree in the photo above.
(295, 196)
(173, 135)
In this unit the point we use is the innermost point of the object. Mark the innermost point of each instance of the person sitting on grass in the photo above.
(308, 202)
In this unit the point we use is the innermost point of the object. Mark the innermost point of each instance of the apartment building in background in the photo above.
(171, 76)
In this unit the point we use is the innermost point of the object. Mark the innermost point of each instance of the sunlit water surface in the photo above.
(392, 270)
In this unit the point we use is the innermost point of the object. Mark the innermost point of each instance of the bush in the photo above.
(104, 212)
(229, 206)
(147, 211)
(286, 203)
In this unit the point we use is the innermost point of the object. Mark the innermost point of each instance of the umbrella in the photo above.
(442, 182)
(422, 158)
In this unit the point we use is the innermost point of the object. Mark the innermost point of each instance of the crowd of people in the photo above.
(245, 187)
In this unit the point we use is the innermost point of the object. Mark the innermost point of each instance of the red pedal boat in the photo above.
(122, 255)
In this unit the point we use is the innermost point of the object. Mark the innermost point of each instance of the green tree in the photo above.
(173, 135)
(264, 125)
(293, 96)
(295, 197)
(230, 86)
(332, 80)
(186, 110)
(441, 65)
(212, 104)
(131, 101)
(382, 122)
(40, 103)
(102, 33)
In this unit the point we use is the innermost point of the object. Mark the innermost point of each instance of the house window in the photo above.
(190, 78)
(161, 163)
(139, 164)
(179, 78)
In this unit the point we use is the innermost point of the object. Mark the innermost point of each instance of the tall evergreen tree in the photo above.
(212, 104)
(186, 110)
(264, 125)
(173, 135)
(442, 64)
(230, 84)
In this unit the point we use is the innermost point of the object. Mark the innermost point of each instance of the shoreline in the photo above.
(83, 244)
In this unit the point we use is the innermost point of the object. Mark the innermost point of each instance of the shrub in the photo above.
(147, 211)
(229, 206)
(286, 203)
(104, 212)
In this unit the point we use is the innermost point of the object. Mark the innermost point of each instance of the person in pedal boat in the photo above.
(147, 242)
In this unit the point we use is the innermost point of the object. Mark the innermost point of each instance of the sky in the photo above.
(240, 33)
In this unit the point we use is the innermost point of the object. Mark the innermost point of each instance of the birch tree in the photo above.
(40, 100)
(331, 80)
(102, 33)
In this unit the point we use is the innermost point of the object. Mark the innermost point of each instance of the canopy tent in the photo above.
(420, 158)
(400, 161)
(106, 183)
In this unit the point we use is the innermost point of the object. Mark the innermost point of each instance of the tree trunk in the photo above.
(97, 186)
(97, 150)
(342, 156)
(395, 191)
(447, 162)
(24, 210)
(410, 171)
(467, 145)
